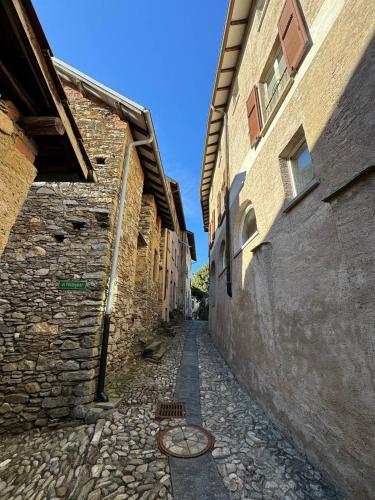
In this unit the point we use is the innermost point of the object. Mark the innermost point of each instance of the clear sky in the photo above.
(162, 54)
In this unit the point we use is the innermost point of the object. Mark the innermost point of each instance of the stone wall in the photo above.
(298, 330)
(50, 338)
(147, 283)
(17, 172)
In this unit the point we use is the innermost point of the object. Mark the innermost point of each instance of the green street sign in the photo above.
(72, 285)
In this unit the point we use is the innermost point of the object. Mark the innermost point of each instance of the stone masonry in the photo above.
(146, 300)
(50, 337)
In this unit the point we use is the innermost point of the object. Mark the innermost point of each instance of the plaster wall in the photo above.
(17, 172)
(298, 331)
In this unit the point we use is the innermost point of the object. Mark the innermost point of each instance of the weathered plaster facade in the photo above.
(298, 329)
(17, 171)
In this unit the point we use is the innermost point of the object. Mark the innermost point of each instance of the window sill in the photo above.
(300, 196)
(246, 244)
(269, 120)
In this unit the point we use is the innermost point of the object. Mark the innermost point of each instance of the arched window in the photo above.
(248, 225)
(223, 256)
(212, 284)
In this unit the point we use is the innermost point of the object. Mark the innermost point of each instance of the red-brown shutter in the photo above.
(293, 36)
(254, 116)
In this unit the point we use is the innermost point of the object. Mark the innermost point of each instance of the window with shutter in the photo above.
(293, 36)
(254, 117)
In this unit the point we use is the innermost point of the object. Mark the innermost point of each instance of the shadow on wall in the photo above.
(298, 331)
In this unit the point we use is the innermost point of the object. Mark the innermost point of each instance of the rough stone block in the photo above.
(69, 344)
(32, 387)
(55, 402)
(26, 364)
(59, 412)
(93, 415)
(79, 411)
(17, 398)
(77, 375)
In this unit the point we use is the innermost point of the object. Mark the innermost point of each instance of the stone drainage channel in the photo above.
(118, 457)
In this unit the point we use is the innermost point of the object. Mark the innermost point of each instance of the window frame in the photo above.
(272, 65)
(242, 244)
(292, 159)
(222, 257)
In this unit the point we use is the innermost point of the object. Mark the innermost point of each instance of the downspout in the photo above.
(227, 204)
(101, 395)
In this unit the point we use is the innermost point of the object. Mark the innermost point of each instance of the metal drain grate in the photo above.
(170, 409)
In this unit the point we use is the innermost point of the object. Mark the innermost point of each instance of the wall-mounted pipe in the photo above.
(228, 244)
(101, 395)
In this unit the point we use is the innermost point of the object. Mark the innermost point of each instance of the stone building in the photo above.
(288, 198)
(177, 254)
(38, 136)
(55, 269)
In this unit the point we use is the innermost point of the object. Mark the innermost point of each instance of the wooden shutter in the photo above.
(219, 205)
(293, 36)
(254, 116)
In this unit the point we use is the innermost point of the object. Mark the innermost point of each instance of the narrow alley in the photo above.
(118, 457)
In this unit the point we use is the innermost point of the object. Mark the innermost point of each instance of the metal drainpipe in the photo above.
(101, 395)
(227, 206)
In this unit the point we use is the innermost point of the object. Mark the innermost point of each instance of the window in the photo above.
(223, 256)
(248, 226)
(274, 83)
(286, 56)
(301, 168)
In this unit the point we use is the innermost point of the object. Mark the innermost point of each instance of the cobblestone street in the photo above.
(117, 458)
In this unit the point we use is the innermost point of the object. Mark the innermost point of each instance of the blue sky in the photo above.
(162, 54)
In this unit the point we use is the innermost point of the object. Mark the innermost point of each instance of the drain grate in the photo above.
(170, 409)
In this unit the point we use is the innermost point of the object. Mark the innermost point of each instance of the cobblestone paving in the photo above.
(252, 456)
(116, 459)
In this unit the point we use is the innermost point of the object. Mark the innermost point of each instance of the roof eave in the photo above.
(131, 112)
(235, 6)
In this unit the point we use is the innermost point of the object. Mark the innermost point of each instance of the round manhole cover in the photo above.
(185, 441)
